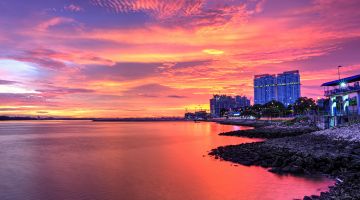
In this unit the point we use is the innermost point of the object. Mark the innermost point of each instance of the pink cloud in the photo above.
(73, 8)
(54, 22)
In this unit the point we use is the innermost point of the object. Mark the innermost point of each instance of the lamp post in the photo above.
(339, 70)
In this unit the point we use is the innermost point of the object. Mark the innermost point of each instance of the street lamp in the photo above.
(342, 84)
(339, 70)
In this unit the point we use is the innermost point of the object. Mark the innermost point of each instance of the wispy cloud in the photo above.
(7, 82)
(156, 8)
(73, 8)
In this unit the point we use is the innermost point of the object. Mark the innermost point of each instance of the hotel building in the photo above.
(284, 87)
(264, 88)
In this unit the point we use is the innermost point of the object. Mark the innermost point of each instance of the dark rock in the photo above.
(296, 170)
(314, 196)
(277, 163)
(272, 131)
(307, 198)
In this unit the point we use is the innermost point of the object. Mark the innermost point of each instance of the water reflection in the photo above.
(162, 160)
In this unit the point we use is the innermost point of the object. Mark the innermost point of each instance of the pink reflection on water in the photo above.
(162, 160)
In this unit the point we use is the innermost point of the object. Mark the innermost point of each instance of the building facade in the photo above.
(284, 87)
(220, 104)
(242, 101)
(264, 88)
(288, 87)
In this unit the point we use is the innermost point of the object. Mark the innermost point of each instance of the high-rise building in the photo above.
(224, 103)
(288, 87)
(284, 87)
(264, 88)
(220, 103)
(242, 101)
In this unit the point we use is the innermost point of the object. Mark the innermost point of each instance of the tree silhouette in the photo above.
(274, 109)
(304, 105)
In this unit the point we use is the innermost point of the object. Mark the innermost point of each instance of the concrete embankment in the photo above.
(335, 153)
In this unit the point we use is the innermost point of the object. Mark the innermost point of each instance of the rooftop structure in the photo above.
(342, 86)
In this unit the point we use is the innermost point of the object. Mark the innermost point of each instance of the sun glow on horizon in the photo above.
(213, 51)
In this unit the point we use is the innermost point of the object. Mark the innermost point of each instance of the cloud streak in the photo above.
(6, 82)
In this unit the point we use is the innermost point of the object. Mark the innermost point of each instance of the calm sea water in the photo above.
(66, 160)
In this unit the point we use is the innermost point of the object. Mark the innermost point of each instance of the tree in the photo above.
(223, 112)
(273, 109)
(252, 111)
(289, 110)
(304, 105)
(256, 110)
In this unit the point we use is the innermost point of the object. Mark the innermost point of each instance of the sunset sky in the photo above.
(142, 58)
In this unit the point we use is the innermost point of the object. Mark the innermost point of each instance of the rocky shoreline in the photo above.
(306, 154)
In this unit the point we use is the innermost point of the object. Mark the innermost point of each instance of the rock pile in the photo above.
(273, 131)
(348, 133)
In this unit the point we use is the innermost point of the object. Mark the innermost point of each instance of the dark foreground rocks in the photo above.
(274, 131)
(307, 154)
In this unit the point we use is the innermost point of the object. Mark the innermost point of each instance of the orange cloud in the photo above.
(213, 51)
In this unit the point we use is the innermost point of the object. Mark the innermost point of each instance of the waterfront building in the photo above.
(264, 88)
(221, 104)
(198, 115)
(201, 115)
(344, 95)
(242, 101)
(288, 87)
(189, 116)
(285, 87)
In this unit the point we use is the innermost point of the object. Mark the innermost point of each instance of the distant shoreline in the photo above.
(138, 120)
(7, 118)
(2, 118)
